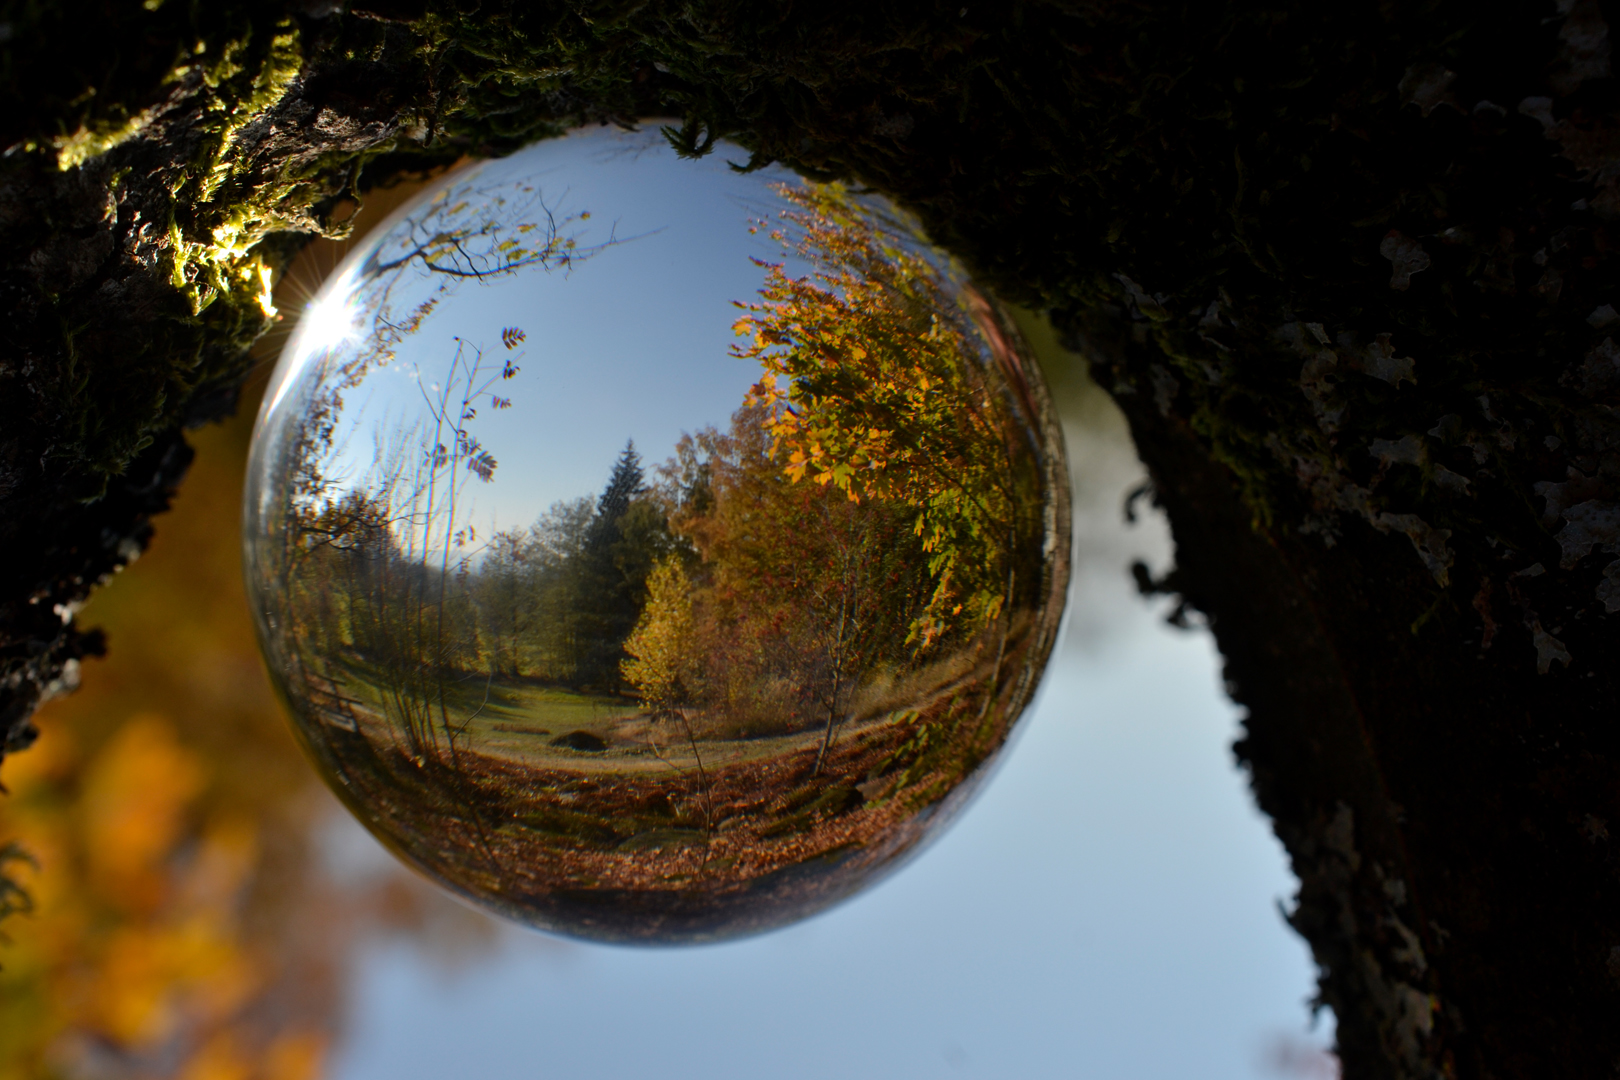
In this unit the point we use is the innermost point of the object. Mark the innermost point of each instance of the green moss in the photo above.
(91, 141)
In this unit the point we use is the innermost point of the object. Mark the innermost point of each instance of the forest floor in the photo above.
(660, 818)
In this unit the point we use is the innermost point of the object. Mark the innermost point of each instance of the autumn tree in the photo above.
(801, 595)
(662, 664)
(555, 549)
(504, 592)
(876, 384)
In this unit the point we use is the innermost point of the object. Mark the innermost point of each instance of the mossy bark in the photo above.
(1347, 268)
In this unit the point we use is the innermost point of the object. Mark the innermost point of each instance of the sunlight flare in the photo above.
(328, 321)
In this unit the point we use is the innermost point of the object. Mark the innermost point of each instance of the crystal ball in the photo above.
(649, 550)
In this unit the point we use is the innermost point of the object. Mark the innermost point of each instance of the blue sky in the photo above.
(630, 344)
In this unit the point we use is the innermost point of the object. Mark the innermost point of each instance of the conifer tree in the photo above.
(622, 487)
(624, 540)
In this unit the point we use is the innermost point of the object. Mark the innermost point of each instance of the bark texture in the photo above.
(1348, 269)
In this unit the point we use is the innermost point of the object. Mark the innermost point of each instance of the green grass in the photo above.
(518, 719)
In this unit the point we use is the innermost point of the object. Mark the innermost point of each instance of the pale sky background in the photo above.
(1108, 908)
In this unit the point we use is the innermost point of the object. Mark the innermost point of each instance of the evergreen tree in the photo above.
(623, 487)
(626, 538)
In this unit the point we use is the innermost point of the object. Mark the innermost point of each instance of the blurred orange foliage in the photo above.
(170, 816)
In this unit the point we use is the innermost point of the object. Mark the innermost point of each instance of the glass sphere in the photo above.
(650, 551)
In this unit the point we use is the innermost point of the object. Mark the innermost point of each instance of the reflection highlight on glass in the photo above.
(650, 552)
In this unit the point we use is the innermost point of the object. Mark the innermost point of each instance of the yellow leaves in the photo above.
(293, 1056)
(875, 384)
(151, 977)
(134, 796)
(145, 941)
(175, 953)
(220, 1058)
(52, 758)
(143, 802)
(662, 663)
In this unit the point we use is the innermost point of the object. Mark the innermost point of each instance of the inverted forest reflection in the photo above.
(721, 690)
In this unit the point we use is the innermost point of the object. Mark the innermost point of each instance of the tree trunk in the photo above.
(1346, 267)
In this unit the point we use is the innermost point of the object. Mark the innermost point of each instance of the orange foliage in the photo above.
(179, 928)
(877, 382)
(161, 943)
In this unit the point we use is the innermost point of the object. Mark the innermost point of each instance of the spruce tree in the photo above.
(622, 488)
(612, 591)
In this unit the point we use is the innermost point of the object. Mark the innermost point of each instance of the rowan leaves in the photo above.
(482, 464)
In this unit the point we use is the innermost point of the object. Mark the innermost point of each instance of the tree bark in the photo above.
(1347, 268)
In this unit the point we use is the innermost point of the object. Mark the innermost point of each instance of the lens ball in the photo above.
(650, 551)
